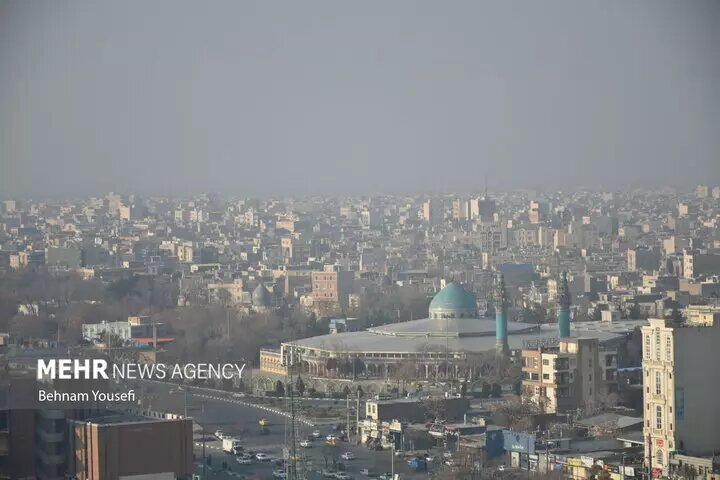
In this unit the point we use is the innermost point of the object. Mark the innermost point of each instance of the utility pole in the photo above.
(392, 460)
(357, 418)
(347, 415)
(204, 459)
(227, 320)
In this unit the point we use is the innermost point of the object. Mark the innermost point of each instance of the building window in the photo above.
(658, 417)
(657, 344)
(658, 383)
(668, 348)
(546, 361)
(647, 346)
(659, 457)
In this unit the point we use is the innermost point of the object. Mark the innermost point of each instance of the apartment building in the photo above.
(332, 286)
(577, 373)
(681, 391)
(127, 446)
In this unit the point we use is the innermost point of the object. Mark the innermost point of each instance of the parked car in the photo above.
(263, 457)
(342, 476)
(328, 473)
(244, 461)
(238, 395)
(347, 456)
(306, 444)
(279, 474)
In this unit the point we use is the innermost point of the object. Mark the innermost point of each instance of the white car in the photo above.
(244, 461)
(501, 468)
(316, 434)
(238, 395)
(347, 456)
(262, 457)
(342, 476)
(219, 434)
(330, 438)
(279, 473)
(306, 444)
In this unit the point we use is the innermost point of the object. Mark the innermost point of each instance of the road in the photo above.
(219, 411)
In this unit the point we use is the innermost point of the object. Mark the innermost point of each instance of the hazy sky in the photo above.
(356, 96)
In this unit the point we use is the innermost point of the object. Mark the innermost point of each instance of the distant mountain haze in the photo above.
(273, 97)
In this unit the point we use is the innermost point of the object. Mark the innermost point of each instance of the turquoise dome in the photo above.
(453, 301)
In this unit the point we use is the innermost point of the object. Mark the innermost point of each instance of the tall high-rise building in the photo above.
(432, 211)
(538, 211)
(681, 392)
(702, 191)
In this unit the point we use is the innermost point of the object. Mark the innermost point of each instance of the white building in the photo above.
(680, 371)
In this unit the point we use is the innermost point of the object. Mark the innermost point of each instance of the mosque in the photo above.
(439, 345)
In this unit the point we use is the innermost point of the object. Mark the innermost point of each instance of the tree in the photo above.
(280, 389)
(300, 386)
(463, 389)
(515, 413)
(496, 390)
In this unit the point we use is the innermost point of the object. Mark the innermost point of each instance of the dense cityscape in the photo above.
(497, 334)
(359, 240)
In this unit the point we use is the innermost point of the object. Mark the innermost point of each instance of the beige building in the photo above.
(681, 391)
(432, 211)
(696, 263)
(271, 361)
(702, 314)
(18, 260)
(331, 287)
(575, 374)
(184, 251)
(233, 290)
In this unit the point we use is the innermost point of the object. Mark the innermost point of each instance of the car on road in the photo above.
(328, 473)
(244, 461)
(278, 473)
(342, 476)
(316, 434)
(262, 457)
(219, 434)
(347, 456)
(238, 395)
(386, 476)
(306, 444)
(501, 468)
(331, 438)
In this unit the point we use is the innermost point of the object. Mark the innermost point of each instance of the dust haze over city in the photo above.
(359, 240)
(366, 97)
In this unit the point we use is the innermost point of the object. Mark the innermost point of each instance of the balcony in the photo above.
(50, 458)
(50, 437)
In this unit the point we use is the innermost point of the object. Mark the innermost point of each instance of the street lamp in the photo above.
(392, 460)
